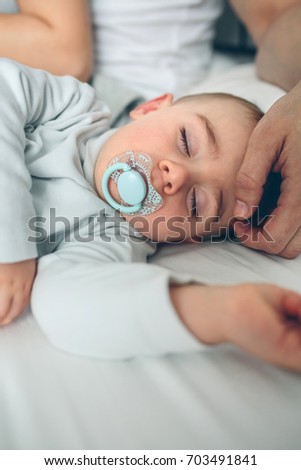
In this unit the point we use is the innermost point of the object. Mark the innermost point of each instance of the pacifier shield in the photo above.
(142, 164)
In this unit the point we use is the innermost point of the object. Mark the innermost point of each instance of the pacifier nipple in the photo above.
(131, 173)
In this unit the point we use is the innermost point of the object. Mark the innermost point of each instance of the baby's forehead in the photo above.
(219, 114)
(214, 102)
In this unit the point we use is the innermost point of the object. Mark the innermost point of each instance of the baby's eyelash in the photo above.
(194, 205)
(184, 140)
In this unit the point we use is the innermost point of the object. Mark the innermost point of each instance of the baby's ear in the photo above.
(153, 105)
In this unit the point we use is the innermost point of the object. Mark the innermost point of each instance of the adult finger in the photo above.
(253, 237)
(280, 227)
(293, 247)
(286, 345)
(264, 146)
(265, 239)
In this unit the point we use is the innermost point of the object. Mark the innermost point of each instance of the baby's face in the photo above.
(196, 149)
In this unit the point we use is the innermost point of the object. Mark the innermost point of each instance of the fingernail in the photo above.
(240, 209)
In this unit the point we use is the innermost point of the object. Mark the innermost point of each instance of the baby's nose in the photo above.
(174, 176)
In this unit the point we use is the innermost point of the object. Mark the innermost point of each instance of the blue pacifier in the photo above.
(136, 192)
(131, 187)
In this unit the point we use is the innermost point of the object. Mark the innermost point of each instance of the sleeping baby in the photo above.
(84, 206)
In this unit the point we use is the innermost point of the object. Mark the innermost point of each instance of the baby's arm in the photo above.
(262, 319)
(16, 281)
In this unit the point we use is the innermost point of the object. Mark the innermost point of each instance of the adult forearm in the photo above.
(194, 305)
(279, 51)
(35, 42)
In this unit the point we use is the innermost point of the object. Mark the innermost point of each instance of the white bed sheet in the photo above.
(222, 398)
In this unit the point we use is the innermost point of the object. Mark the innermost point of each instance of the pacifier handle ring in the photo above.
(125, 209)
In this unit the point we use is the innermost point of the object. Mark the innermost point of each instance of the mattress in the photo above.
(221, 398)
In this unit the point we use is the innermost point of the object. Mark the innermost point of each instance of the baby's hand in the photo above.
(16, 280)
(265, 320)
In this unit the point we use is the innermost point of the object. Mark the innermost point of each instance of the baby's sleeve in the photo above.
(102, 300)
(29, 98)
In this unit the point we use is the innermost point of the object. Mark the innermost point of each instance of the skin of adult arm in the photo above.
(262, 319)
(54, 36)
(275, 28)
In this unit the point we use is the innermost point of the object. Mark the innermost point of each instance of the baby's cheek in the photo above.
(161, 227)
(139, 222)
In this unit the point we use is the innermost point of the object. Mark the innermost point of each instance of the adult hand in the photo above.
(265, 320)
(275, 145)
(262, 319)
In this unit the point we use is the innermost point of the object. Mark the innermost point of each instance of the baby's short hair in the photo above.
(254, 111)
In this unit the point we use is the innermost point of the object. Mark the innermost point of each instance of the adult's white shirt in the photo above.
(154, 46)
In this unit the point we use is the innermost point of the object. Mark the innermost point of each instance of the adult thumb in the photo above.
(259, 159)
